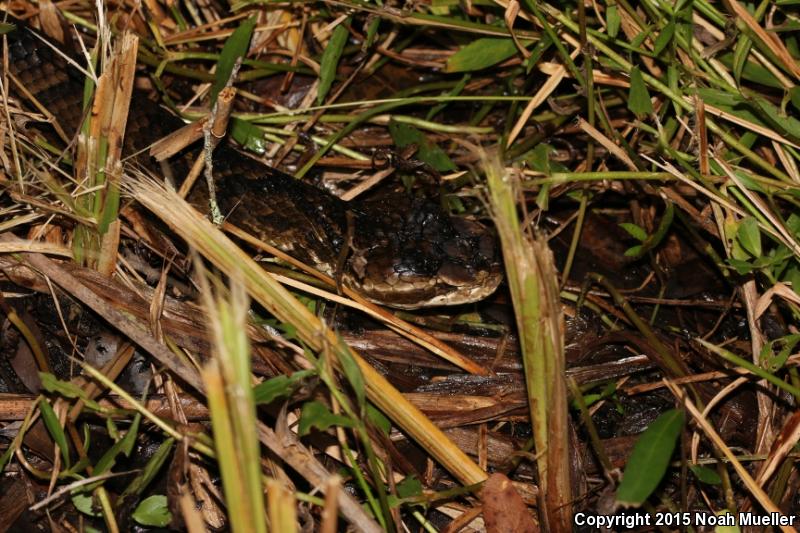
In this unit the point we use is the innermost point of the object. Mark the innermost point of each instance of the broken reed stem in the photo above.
(232, 405)
(213, 133)
(534, 289)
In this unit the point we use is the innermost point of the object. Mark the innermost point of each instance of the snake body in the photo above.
(399, 251)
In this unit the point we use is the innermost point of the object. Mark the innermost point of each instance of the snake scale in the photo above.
(400, 251)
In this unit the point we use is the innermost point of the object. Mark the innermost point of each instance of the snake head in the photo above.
(418, 256)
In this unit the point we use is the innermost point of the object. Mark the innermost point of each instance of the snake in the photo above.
(398, 250)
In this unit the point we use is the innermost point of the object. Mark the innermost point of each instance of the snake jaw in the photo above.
(424, 258)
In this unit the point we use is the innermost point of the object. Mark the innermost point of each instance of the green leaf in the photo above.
(378, 419)
(84, 502)
(353, 374)
(330, 59)
(235, 48)
(792, 276)
(153, 512)
(613, 20)
(6, 27)
(655, 239)
(124, 446)
(753, 72)
(150, 470)
(539, 158)
(372, 32)
(705, 475)
(248, 135)
(405, 135)
(794, 96)
(664, 38)
(66, 389)
(742, 267)
(635, 231)
(482, 53)
(281, 386)
(317, 415)
(409, 487)
(740, 53)
(793, 223)
(635, 251)
(54, 428)
(772, 361)
(639, 99)
(588, 400)
(650, 458)
(736, 105)
(749, 236)
(777, 118)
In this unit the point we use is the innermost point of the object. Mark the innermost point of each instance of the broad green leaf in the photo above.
(124, 446)
(794, 96)
(482, 53)
(793, 223)
(635, 231)
(721, 99)
(235, 47)
(639, 98)
(54, 428)
(409, 487)
(281, 386)
(705, 475)
(772, 361)
(613, 20)
(405, 135)
(6, 27)
(752, 72)
(64, 388)
(749, 236)
(248, 135)
(664, 38)
(153, 512)
(84, 502)
(50, 383)
(792, 276)
(777, 118)
(742, 267)
(330, 59)
(650, 458)
(635, 251)
(539, 158)
(317, 415)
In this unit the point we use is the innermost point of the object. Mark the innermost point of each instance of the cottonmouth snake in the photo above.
(401, 251)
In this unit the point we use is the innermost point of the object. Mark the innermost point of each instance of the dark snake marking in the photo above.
(404, 252)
